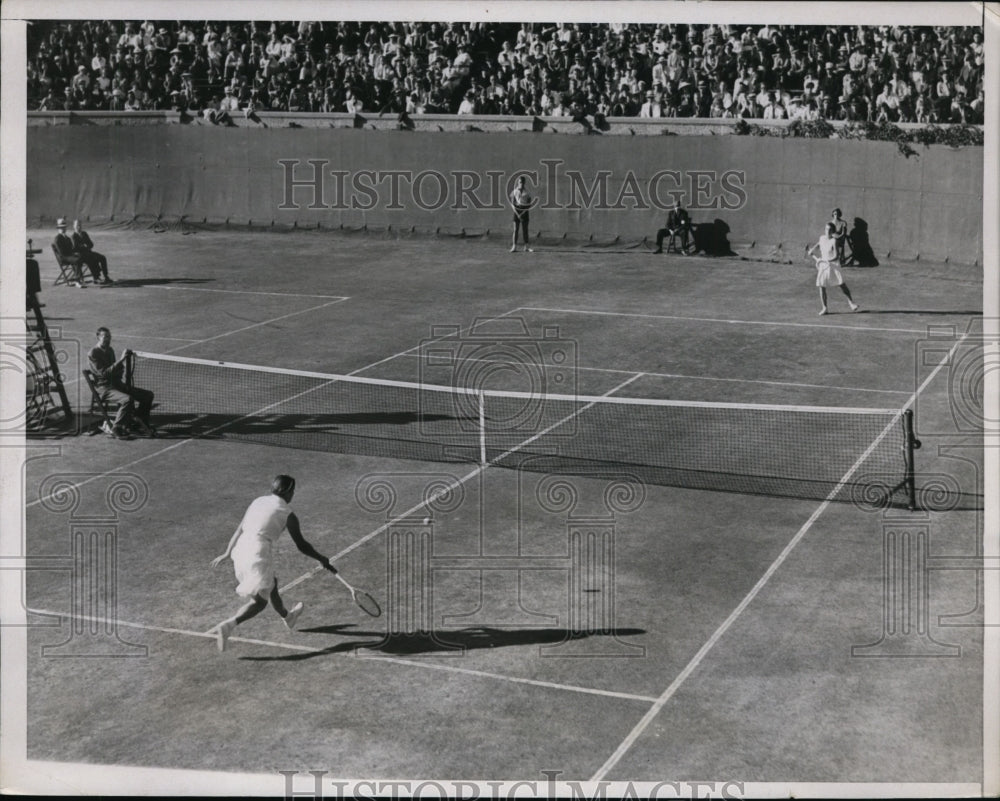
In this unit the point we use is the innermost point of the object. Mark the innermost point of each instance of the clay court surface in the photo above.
(738, 619)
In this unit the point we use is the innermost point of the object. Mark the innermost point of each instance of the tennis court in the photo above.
(581, 614)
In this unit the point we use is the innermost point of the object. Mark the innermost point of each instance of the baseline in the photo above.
(210, 635)
(729, 322)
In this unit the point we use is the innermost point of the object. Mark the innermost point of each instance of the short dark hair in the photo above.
(103, 329)
(282, 485)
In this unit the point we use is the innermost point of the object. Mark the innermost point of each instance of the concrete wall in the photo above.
(772, 195)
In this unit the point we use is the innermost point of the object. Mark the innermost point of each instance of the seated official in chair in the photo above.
(678, 227)
(84, 246)
(67, 254)
(131, 402)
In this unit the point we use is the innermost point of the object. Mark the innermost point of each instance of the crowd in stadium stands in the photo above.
(219, 69)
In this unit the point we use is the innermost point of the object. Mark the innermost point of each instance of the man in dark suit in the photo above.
(84, 246)
(678, 223)
(67, 252)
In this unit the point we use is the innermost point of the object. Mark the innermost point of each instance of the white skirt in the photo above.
(253, 566)
(828, 274)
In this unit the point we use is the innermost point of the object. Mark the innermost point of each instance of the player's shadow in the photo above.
(970, 312)
(712, 238)
(129, 283)
(444, 641)
(221, 426)
(862, 254)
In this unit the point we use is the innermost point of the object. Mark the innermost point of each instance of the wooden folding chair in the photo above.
(100, 407)
(130, 424)
(67, 270)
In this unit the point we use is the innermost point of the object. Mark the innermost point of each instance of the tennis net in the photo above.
(792, 451)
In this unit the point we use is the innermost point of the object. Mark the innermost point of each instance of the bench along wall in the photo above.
(772, 195)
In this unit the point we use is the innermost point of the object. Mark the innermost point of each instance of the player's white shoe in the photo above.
(513, 248)
(822, 312)
(854, 306)
(293, 615)
(222, 632)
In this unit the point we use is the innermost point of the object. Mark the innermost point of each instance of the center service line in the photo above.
(696, 660)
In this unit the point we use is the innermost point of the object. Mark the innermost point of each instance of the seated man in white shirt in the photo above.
(468, 105)
(652, 107)
(774, 110)
(230, 103)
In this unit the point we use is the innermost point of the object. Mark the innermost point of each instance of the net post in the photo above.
(911, 443)
(129, 367)
(482, 427)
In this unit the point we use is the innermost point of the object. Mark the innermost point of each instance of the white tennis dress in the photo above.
(827, 270)
(253, 563)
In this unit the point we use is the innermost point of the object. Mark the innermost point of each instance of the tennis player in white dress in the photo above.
(828, 268)
(251, 549)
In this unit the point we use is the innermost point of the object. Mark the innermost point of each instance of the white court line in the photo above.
(257, 325)
(444, 491)
(514, 679)
(729, 322)
(118, 335)
(189, 439)
(696, 660)
(244, 292)
(697, 377)
(223, 425)
(310, 649)
(430, 342)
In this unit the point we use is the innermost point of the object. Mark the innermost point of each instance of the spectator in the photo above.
(68, 254)
(843, 69)
(652, 107)
(229, 104)
(83, 246)
(678, 224)
(774, 110)
(468, 104)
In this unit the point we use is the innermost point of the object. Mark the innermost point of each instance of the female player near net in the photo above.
(251, 549)
(828, 268)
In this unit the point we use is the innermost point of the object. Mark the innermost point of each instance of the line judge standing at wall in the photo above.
(521, 201)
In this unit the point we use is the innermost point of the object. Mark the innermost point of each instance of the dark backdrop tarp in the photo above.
(778, 193)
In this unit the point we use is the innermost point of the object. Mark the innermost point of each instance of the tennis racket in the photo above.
(368, 604)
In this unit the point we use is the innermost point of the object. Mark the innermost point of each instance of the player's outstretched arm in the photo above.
(229, 548)
(295, 531)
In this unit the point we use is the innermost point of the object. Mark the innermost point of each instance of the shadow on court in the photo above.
(970, 312)
(443, 641)
(130, 283)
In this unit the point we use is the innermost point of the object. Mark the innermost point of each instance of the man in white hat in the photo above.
(68, 253)
(84, 246)
(652, 107)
